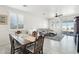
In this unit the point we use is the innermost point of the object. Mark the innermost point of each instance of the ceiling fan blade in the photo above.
(58, 15)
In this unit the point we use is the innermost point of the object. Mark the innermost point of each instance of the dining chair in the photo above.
(14, 47)
(37, 46)
(34, 33)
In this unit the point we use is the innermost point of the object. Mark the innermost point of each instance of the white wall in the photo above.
(3, 28)
(30, 22)
(35, 22)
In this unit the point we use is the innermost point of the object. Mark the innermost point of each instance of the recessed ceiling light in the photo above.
(44, 13)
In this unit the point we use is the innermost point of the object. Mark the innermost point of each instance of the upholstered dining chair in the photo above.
(36, 47)
(14, 47)
(34, 33)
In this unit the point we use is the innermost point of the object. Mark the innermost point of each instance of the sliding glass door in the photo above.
(68, 27)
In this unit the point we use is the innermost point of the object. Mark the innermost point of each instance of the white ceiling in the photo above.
(48, 10)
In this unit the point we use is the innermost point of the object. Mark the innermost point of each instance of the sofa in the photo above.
(50, 34)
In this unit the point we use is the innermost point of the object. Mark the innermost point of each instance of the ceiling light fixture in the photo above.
(24, 5)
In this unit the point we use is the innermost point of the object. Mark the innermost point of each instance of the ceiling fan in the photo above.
(58, 15)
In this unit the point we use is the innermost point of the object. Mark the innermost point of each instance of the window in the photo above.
(68, 26)
(16, 21)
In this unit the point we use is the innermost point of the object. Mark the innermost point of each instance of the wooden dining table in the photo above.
(23, 40)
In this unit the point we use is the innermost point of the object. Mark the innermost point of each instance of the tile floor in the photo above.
(65, 46)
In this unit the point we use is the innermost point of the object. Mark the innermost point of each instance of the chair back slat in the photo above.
(39, 44)
(11, 41)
